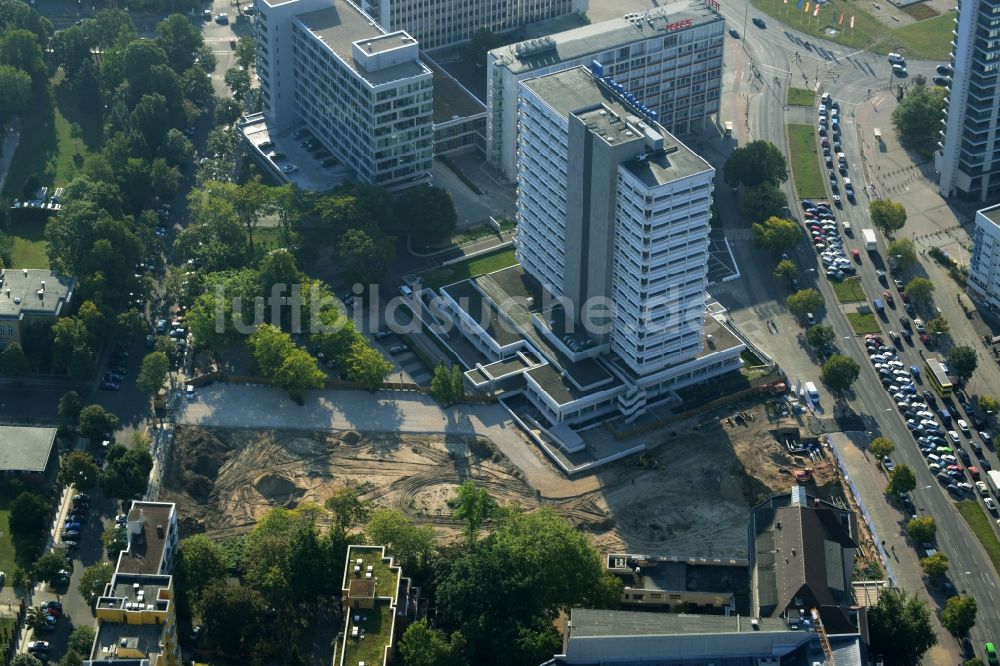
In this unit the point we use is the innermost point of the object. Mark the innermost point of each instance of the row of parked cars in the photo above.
(307, 141)
(821, 225)
(828, 122)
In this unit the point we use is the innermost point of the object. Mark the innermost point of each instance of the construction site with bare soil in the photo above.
(688, 496)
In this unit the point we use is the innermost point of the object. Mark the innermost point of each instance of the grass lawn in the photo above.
(915, 41)
(6, 546)
(28, 235)
(981, 525)
(804, 156)
(849, 290)
(377, 625)
(929, 39)
(466, 269)
(801, 97)
(863, 323)
(8, 625)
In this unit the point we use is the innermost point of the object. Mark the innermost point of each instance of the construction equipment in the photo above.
(647, 462)
(823, 640)
(804, 475)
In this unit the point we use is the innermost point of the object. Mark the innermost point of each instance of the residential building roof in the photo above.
(25, 449)
(33, 291)
(144, 554)
(590, 622)
(128, 640)
(599, 37)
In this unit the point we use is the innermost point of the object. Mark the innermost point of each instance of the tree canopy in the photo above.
(92, 583)
(786, 270)
(96, 423)
(761, 202)
(962, 361)
(900, 628)
(921, 291)
(904, 252)
(427, 214)
(901, 480)
(922, 529)
(287, 365)
(776, 235)
(78, 468)
(959, 615)
(881, 447)
(935, 565)
(803, 302)
(126, 474)
(840, 372)
(756, 163)
(917, 118)
(153, 372)
(820, 337)
(887, 215)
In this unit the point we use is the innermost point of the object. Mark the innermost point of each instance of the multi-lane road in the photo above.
(779, 57)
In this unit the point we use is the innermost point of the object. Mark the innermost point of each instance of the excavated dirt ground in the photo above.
(693, 503)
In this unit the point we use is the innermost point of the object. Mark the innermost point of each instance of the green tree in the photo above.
(114, 539)
(87, 87)
(411, 544)
(280, 360)
(959, 615)
(881, 447)
(820, 337)
(246, 52)
(962, 361)
(776, 235)
(934, 566)
(803, 302)
(36, 620)
(177, 149)
(126, 474)
(900, 628)
(278, 267)
(938, 326)
(441, 385)
(921, 291)
(16, 100)
(96, 423)
(839, 373)
(48, 566)
(20, 49)
(786, 270)
(14, 362)
(903, 252)
(70, 406)
(988, 404)
(901, 480)
(365, 255)
(233, 617)
(421, 645)
(347, 509)
(71, 47)
(762, 202)
(474, 505)
(756, 163)
(367, 365)
(71, 658)
(238, 81)
(427, 213)
(164, 180)
(180, 40)
(457, 383)
(922, 529)
(93, 580)
(153, 372)
(200, 562)
(227, 111)
(335, 336)
(82, 638)
(29, 513)
(917, 118)
(78, 468)
(887, 215)
(37, 623)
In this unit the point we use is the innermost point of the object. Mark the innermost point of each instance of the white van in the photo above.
(934, 458)
(895, 58)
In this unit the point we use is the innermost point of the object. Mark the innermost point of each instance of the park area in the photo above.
(849, 290)
(801, 97)
(223, 480)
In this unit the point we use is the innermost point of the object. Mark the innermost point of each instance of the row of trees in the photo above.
(760, 168)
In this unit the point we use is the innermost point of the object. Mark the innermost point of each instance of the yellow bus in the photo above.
(937, 377)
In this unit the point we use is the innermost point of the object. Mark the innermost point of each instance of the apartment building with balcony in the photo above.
(984, 264)
(610, 296)
(439, 23)
(361, 91)
(136, 617)
(968, 155)
(669, 57)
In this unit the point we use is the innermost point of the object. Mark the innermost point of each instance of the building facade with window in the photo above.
(439, 23)
(968, 155)
(669, 58)
(361, 91)
(984, 265)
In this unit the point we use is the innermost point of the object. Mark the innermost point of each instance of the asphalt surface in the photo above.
(779, 57)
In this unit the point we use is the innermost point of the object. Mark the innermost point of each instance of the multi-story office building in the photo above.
(439, 23)
(984, 266)
(613, 221)
(136, 617)
(362, 92)
(670, 58)
(968, 159)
